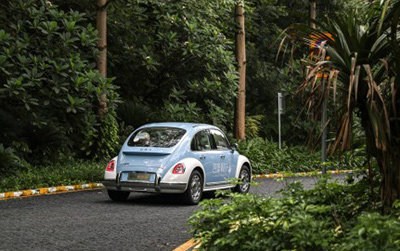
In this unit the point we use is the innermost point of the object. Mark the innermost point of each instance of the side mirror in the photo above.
(234, 146)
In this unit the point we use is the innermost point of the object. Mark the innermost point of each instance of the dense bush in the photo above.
(174, 59)
(9, 161)
(266, 157)
(328, 217)
(373, 232)
(49, 89)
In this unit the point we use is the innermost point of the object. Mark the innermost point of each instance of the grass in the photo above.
(71, 173)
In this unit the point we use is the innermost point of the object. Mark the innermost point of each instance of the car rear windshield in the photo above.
(156, 137)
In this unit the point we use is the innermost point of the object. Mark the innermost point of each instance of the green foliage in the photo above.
(363, 65)
(253, 126)
(330, 216)
(265, 19)
(156, 48)
(108, 143)
(9, 161)
(102, 139)
(49, 89)
(68, 173)
(266, 157)
(250, 222)
(373, 232)
(136, 112)
(175, 108)
(263, 78)
(175, 59)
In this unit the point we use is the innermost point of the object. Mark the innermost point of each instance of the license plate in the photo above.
(139, 176)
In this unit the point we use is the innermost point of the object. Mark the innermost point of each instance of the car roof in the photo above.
(183, 125)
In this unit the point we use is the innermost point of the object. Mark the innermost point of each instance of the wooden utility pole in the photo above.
(241, 67)
(101, 24)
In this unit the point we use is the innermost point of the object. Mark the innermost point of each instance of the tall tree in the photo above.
(313, 13)
(241, 67)
(101, 24)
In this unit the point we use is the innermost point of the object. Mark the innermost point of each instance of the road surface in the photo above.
(90, 221)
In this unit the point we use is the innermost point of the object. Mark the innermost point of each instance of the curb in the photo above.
(300, 174)
(89, 186)
(49, 190)
(190, 245)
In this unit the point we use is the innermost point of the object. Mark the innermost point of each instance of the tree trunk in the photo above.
(101, 23)
(313, 13)
(390, 179)
(389, 169)
(241, 67)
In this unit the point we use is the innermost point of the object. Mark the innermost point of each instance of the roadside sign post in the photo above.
(280, 110)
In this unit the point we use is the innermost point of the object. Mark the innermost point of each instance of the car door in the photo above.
(221, 147)
(201, 147)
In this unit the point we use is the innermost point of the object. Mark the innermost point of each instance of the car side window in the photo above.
(221, 142)
(201, 142)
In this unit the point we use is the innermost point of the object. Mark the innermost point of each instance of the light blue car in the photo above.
(181, 158)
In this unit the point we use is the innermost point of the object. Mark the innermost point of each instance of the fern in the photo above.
(253, 126)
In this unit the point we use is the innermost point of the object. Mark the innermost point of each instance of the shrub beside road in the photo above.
(330, 216)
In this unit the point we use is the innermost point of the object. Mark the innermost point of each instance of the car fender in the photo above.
(111, 175)
(241, 161)
(190, 164)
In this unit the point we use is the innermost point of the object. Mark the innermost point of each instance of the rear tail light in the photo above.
(179, 169)
(111, 166)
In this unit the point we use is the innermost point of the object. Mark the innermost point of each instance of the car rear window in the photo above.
(156, 137)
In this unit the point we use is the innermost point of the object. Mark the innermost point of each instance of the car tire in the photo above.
(244, 177)
(118, 195)
(194, 191)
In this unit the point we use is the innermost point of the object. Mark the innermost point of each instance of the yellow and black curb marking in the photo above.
(191, 244)
(300, 174)
(74, 188)
(50, 190)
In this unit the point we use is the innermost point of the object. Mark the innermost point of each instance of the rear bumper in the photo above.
(150, 187)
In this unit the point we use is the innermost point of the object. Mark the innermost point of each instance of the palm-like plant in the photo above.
(361, 60)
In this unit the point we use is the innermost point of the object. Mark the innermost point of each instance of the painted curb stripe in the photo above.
(189, 245)
(281, 175)
(71, 188)
(49, 190)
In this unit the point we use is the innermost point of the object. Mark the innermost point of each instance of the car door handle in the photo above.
(203, 157)
(222, 156)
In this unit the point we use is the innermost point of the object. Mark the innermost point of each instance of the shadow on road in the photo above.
(153, 199)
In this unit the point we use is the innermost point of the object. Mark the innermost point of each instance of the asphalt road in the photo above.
(90, 221)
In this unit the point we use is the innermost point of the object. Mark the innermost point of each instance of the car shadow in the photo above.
(149, 199)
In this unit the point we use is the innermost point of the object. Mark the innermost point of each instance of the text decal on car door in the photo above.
(221, 167)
